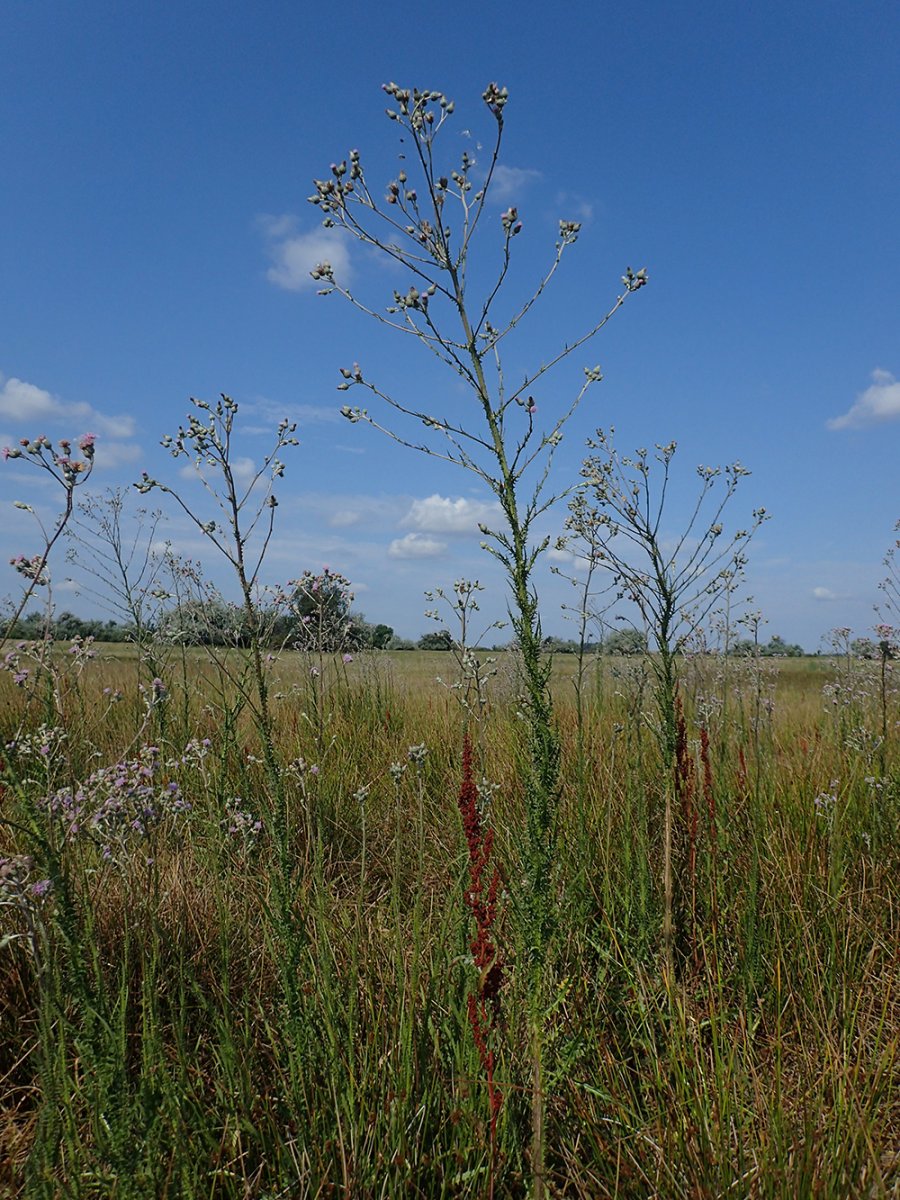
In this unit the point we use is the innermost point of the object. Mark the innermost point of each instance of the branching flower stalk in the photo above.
(426, 227)
(589, 554)
(242, 536)
(317, 622)
(887, 630)
(473, 671)
(124, 567)
(888, 649)
(69, 472)
(890, 585)
(674, 584)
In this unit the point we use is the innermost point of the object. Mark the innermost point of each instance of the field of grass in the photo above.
(220, 981)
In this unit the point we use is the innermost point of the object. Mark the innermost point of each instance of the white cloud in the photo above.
(119, 426)
(561, 557)
(343, 510)
(824, 593)
(111, 455)
(295, 254)
(878, 403)
(242, 468)
(269, 413)
(415, 545)
(508, 183)
(576, 206)
(26, 402)
(440, 514)
(343, 518)
(23, 401)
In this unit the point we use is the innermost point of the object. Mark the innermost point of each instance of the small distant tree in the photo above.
(777, 647)
(209, 620)
(743, 648)
(437, 639)
(625, 642)
(380, 637)
(864, 647)
(318, 616)
(558, 645)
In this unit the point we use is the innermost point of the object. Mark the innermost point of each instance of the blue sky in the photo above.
(155, 239)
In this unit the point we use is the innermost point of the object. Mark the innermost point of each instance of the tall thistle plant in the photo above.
(424, 223)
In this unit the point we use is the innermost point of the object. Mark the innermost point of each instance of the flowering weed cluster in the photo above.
(23, 895)
(241, 825)
(120, 806)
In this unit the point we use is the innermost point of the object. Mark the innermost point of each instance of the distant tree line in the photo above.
(35, 627)
(776, 647)
(219, 622)
(629, 642)
(207, 622)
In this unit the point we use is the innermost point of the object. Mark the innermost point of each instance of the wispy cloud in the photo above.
(343, 518)
(343, 510)
(508, 183)
(576, 207)
(242, 467)
(113, 455)
(416, 545)
(294, 254)
(878, 403)
(824, 594)
(24, 402)
(440, 514)
(560, 557)
(265, 414)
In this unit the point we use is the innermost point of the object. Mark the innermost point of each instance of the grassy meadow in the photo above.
(227, 975)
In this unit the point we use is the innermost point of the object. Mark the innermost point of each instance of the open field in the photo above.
(237, 977)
